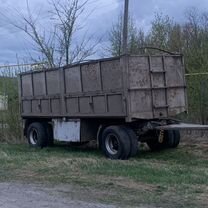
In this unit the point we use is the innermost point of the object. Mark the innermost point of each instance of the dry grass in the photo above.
(171, 178)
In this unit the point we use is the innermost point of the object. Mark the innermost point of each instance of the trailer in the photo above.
(115, 101)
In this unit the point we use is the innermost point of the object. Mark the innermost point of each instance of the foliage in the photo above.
(172, 178)
(10, 121)
(189, 38)
(136, 38)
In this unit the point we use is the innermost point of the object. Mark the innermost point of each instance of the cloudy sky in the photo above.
(14, 44)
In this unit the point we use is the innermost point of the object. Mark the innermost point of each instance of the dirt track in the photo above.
(18, 195)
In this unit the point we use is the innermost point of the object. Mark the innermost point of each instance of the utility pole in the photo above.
(124, 59)
(125, 27)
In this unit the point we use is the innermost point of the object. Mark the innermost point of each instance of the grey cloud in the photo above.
(144, 10)
(105, 13)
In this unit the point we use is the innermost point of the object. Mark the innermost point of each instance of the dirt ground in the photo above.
(19, 195)
(22, 195)
(37, 195)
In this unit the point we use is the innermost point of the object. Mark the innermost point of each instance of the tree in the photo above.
(55, 42)
(160, 31)
(165, 34)
(195, 50)
(189, 38)
(136, 38)
(196, 40)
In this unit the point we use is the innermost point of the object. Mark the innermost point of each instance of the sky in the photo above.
(15, 45)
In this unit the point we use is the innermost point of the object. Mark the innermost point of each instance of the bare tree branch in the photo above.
(56, 43)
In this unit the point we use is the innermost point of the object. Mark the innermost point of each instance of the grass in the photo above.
(171, 178)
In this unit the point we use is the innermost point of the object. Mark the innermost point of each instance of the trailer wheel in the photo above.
(154, 145)
(115, 143)
(177, 138)
(172, 138)
(37, 135)
(152, 141)
(169, 139)
(167, 142)
(99, 136)
(133, 141)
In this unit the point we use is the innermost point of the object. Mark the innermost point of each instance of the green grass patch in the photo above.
(171, 178)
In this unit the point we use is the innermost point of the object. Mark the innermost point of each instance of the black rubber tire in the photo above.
(177, 138)
(155, 145)
(101, 129)
(40, 133)
(123, 143)
(134, 146)
(168, 140)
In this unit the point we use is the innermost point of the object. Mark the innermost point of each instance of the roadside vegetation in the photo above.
(172, 178)
(189, 38)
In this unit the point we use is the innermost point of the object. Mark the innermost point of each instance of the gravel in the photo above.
(22, 195)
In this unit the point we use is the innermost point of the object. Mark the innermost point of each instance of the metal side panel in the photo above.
(68, 131)
(156, 86)
(140, 95)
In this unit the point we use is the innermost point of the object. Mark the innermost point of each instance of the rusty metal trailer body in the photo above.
(102, 98)
(149, 87)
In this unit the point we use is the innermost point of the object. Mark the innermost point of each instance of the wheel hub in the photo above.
(112, 144)
(33, 136)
